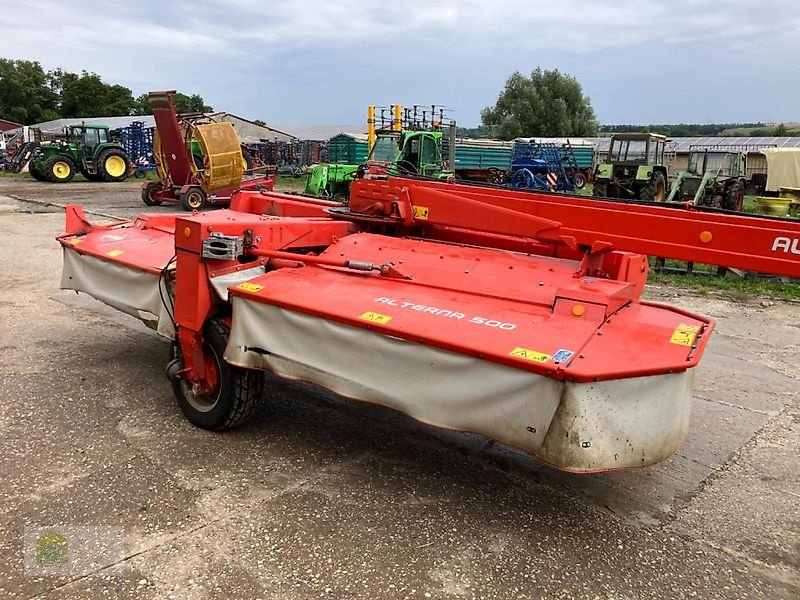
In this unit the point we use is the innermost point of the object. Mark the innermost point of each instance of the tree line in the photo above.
(691, 129)
(29, 94)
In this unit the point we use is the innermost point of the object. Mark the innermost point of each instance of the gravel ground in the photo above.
(318, 497)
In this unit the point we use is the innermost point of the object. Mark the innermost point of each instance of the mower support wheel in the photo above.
(579, 180)
(59, 169)
(236, 394)
(193, 198)
(149, 193)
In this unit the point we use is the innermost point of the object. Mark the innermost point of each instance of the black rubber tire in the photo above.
(193, 199)
(50, 163)
(90, 176)
(579, 180)
(657, 186)
(248, 158)
(238, 394)
(600, 190)
(37, 174)
(148, 194)
(734, 197)
(101, 166)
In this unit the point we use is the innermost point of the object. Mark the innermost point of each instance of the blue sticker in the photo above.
(562, 356)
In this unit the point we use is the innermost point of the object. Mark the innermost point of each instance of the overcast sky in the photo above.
(324, 61)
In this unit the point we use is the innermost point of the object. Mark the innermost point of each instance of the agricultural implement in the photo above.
(198, 161)
(545, 167)
(514, 315)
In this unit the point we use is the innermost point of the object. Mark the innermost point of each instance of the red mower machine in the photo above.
(197, 161)
(510, 314)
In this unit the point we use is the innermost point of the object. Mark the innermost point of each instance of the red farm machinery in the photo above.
(515, 315)
(198, 161)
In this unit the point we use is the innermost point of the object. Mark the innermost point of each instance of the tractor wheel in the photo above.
(734, 197)
(247, 159)
(656, 190)
(149, 192)
(579, 180)
(90, 176)
(112, 165)
(600, 190)
(36, 174)
(59, 169)
(193, 199)
(235, 394)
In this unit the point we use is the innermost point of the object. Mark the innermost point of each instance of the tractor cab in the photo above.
(634, 168)
(731, 164)
(410, 152)
(88, 137)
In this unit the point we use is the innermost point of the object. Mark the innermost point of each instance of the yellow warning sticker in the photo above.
(374, 317)
(75, 241)
(250, 287)
(531, 355)
(113, 253)
(684, 335)
(420, 212)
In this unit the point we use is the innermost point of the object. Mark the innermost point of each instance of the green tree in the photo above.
(86, 95)
(547, 104)
(25, 93)
(183, 104)
(781, 131)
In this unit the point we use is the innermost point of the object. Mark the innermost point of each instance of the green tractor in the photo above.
(634, 168)
(406, 142)
(406, 152)
(87, 149)
(715, 178)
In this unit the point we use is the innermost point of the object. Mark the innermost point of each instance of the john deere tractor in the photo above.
(715, 178)
(634, 168)
(87, 149)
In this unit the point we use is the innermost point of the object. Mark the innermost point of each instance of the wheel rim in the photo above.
(115, 166)
(195, 200)
(61, 169)
(204, 402)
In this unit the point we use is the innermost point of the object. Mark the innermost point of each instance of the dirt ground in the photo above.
(321, 498)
